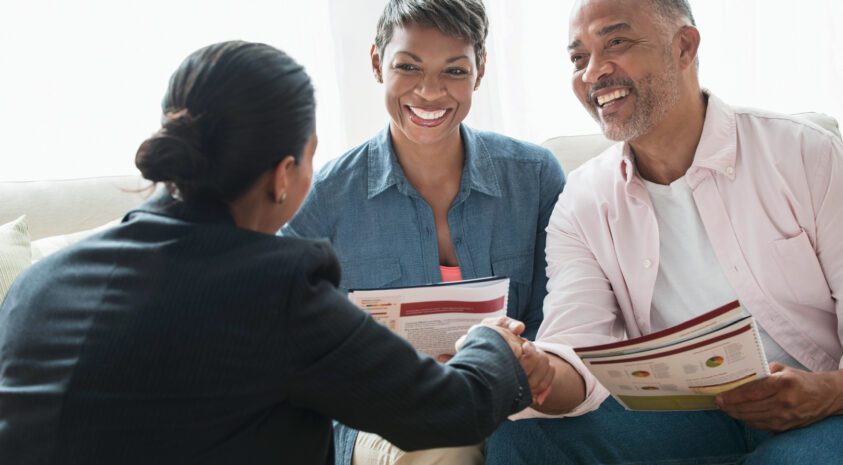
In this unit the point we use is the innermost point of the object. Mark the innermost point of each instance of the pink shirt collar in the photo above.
(717, 150)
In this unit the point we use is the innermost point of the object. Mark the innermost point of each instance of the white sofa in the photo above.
(57, 213)
(67, 206)
(61, 212)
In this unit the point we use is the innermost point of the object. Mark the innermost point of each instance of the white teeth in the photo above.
(610, 97)
(428, 115)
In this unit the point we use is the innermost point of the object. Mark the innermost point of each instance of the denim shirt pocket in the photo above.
(800, 272)
(519, 269)
(369, 273)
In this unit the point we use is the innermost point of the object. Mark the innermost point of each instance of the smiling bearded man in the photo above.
(700, 205)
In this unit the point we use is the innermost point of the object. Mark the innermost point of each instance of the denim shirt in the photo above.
(384, 233)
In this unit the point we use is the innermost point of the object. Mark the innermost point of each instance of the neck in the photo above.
(665, 153)
(427, 165)
(255, 211)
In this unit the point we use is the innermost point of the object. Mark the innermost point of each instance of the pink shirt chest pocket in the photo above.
(799, 277)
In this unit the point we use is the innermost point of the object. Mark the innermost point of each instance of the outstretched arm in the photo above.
(349, 367)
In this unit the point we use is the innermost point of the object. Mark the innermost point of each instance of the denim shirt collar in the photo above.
(384, 170)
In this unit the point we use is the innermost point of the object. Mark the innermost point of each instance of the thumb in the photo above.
(776, 367)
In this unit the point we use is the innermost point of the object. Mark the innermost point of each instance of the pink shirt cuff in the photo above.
(595, 393)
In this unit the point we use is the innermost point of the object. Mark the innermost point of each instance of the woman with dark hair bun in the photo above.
(192, 334)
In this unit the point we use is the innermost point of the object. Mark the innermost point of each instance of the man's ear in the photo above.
(375, 55)
(279, 180)
(689, 43)
(481, 71)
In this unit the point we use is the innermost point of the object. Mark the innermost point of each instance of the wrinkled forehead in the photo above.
(591, 17)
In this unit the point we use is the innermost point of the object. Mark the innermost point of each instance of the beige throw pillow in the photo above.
(15, 253)
(48, 245)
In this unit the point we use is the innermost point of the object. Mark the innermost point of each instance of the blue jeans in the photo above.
(613, 435)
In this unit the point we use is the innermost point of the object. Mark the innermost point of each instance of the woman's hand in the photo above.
(787, 399)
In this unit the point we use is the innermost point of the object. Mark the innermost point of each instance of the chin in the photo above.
(428, 136)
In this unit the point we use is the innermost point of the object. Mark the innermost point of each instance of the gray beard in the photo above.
(656, 95)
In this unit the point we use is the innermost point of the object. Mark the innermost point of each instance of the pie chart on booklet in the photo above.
(714, 362)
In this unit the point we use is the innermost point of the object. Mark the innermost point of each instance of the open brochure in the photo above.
(682, 367)
(434, 316)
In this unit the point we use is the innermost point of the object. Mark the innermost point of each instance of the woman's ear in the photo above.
(279, 180)
(376, 63)
(481, 71)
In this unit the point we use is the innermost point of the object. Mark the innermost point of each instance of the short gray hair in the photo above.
(674, 10)
(462, 19)
(670, 13)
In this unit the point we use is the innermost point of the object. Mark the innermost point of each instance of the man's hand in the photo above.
(534, 361)
(536, 364)
(787, 399)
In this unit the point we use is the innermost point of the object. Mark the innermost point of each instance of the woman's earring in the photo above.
(281, 199)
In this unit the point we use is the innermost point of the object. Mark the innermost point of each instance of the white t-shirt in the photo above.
(690, 281)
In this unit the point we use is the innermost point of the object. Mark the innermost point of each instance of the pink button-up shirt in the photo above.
(769, 190)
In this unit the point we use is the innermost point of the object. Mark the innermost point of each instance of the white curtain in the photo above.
(82, 80)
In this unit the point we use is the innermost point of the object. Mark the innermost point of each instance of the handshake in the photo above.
(534, 361)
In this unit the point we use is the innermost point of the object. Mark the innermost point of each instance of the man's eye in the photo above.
(615, 42)
(578, 61)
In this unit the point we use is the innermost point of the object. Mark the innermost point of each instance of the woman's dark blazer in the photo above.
(179, 338)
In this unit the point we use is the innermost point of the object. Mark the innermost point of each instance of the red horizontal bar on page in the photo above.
(665, 332)
(677, 351)
(451, 306)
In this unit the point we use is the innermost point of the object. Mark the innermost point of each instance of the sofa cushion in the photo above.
(65, 206)
(49, 245)
(14, 252)
(822, 120)
(573, 151)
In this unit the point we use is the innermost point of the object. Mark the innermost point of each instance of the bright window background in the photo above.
(82, 81)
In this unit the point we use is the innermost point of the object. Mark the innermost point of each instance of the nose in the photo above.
(596, 69)
(430, 87)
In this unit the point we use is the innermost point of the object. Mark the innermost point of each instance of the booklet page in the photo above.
(433, 317)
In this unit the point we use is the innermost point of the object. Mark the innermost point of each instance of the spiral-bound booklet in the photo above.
(682, 367)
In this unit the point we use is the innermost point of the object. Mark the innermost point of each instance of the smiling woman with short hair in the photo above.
(429, 199)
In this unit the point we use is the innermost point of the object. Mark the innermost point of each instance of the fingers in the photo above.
(444, 358)
(750, 392)
(511, 324)
(461, 341)
(510, 329)
(747, 410)
(539, 371)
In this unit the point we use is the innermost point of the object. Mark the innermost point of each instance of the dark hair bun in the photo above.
(173, 155)
(232, 111)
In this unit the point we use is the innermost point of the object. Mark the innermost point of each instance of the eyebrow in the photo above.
(458, 58)
(412, 55)
(602, 33)
(417, 59)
